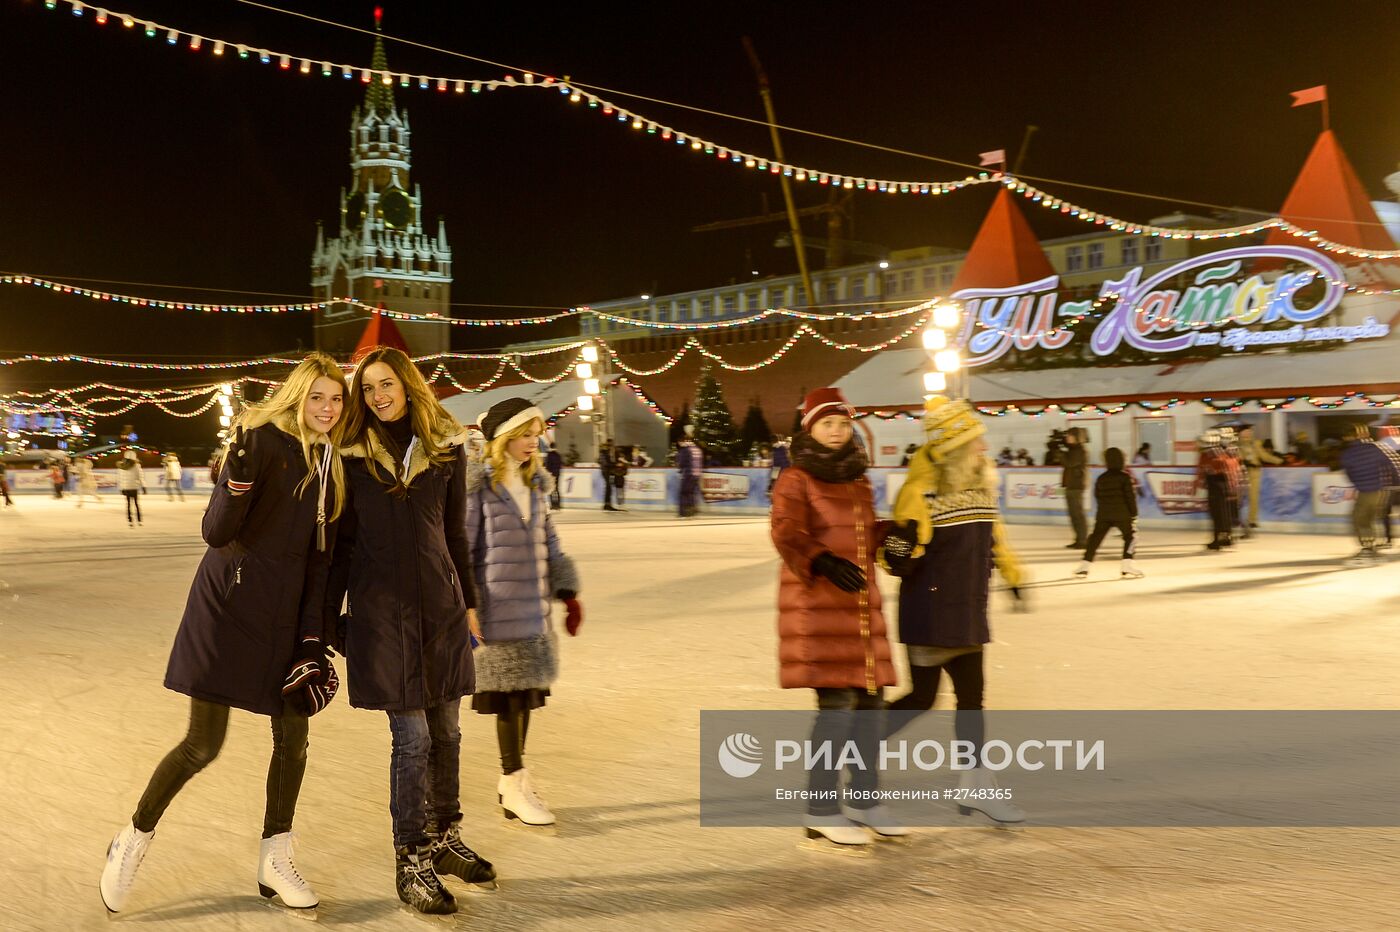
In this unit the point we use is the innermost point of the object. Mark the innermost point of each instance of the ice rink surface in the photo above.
(679, 618)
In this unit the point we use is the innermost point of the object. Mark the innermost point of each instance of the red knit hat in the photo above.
(822, 402)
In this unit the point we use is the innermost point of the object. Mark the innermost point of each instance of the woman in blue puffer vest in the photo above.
(520, 569)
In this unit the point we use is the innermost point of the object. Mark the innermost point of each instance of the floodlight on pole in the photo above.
(585, 402)
(584, 370)
(935, 382)
(590, 353)
(935, 339)
(947, 360)
(591, 386)
(946, 316)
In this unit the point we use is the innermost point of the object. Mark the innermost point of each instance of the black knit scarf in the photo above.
(844, 465)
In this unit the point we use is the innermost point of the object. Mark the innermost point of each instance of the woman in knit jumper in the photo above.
(520, 569)
(948, 538)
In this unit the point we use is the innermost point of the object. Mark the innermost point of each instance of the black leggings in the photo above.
(132, 501)
(511, 730)
(208, 725)
(1102, 526)
(965, 671)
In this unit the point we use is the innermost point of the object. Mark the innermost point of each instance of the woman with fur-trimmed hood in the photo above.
(520, 569)
(949, 537)
(403, 556)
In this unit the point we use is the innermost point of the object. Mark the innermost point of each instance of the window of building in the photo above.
(731, 303)
(707, 308)
(799, 296)
(830, 288)
(1074, 258)
(1152, 250)
(929, 277)
(906, 281)
(891, 283)
(946, 275)
(858, 288)
(753, 301)
(1096, 255)
(1130, 250)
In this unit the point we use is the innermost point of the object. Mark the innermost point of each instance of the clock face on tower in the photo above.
(354, 212)
(396, 209)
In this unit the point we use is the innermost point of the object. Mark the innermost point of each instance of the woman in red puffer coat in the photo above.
(830, 628)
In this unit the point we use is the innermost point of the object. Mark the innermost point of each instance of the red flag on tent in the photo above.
(1311, 95)
(995, 157)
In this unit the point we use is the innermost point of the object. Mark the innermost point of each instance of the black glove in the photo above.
(238, 464)
(308, 665)
(844, 574)
(899, 547)
(312, 682)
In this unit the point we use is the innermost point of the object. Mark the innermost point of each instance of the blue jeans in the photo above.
(423, 771)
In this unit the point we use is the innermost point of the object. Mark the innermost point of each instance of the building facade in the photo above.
(382, 255)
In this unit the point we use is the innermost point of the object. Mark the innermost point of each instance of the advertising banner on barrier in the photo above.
(645, 485)
(1176, 493)
(724, 486)
(1033, 490)
(1332, 494)
(29, 480)
(580, 485)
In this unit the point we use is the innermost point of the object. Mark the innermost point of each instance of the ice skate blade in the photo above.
(271, 900)
(822, 845)
(892, 839)
(544, 828)
(443, 918)
(995, 823)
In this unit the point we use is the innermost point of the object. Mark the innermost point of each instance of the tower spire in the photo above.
(380, 97)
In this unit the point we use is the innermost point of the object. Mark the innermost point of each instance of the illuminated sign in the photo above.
(1216, 309)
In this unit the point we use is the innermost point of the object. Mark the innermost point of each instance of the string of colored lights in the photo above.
(161, 304)
(289, 62)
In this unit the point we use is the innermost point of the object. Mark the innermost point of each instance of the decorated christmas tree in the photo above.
(755, 433)
(714, 424)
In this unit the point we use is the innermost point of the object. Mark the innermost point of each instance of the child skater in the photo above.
(520, 569)
(252, 636)
(1115, 506)
(949, 536)
(830, 628)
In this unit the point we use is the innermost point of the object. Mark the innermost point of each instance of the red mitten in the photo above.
(573, 616)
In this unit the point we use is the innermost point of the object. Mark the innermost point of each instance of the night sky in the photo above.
(127, 159)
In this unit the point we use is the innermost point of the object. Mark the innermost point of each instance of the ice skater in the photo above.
(690, 464)
(252, 634)
(87, 481)
(947, 538)
(5, 485)
(1254, 454)
(403, 556)
(132, 482)
(58, 478)
(1074, 480)
(1115, 506)
(1219, 472)
(1373, 469)
(831, 631)
(521, 568)
(174, 475)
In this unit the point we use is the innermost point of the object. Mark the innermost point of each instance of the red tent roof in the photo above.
(1005, 251)
(1328, 198)
(380, 331)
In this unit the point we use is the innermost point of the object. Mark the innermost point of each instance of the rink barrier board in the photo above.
(1297, 498)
